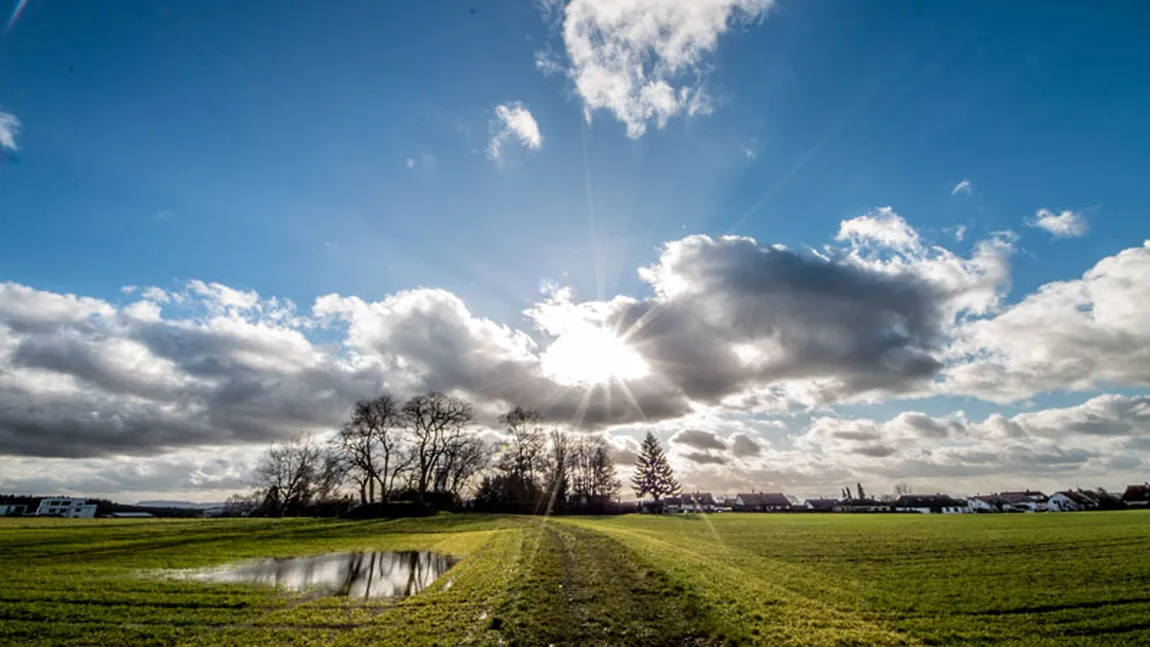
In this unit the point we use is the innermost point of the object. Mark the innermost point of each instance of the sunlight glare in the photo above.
(589, 355)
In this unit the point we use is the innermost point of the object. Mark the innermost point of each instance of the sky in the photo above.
(806, 244)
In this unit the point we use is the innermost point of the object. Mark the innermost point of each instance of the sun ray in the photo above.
(15, 14)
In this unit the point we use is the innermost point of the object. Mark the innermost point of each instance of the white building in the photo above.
(930, 504)
(11, 510)
(1071, 501)
(66, 507)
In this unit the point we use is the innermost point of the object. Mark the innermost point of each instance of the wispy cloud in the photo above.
(1067, 224)
(9, 128)
(513, 120)
(962, 187)
(960, 233)
(164, 214)
(644, 60)
(411, 162)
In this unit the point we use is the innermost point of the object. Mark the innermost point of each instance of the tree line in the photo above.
(428, 450)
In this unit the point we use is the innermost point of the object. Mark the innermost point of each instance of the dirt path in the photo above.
(583, 588)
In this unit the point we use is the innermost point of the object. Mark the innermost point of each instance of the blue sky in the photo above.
(298, 150)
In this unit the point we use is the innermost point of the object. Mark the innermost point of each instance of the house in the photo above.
(1137, 496)
(861, 505)
(699, 502)
(66, 507)
(12, 510)
(930, 504)
(672, 505)
(1072, 501)
(1023, 501)
(820, 505)
(984, 503)
(762, 502)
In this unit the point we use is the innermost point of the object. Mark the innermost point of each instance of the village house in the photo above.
(1024, 501)
(71, 508)
(12, 510)
(1072, 501)
(930, 504)
(1137, 496)
(762, 502)
(984, 503)
(861, 505)
(820, 505)
(698, 502)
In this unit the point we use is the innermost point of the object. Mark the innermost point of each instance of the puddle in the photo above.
(351, 575)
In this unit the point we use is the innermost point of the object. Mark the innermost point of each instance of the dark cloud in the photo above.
(704, 458)
(743, 446)
(702, 440)
(732, 314)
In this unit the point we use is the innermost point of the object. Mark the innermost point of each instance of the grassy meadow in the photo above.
(1069, 579)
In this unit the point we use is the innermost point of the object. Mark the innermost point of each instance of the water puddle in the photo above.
(351, 575)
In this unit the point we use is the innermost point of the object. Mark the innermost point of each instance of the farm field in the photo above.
(1069, 579)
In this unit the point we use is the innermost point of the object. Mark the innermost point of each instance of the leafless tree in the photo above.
(557, 481)
(331, 474)
(591, 471)
(287, 474)
(524, 455)
(435, 422)
(463, 459)
(370, 445)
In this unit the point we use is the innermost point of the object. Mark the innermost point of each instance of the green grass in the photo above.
(1070, 579)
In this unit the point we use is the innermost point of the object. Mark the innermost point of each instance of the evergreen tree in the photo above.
(653, 474)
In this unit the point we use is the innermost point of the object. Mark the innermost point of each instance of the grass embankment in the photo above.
(1075, 579)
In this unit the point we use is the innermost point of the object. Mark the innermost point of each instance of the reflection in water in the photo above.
(354, 575)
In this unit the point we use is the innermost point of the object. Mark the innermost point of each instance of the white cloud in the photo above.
(644, 61)
(9, 129)
(960, 233)
(733, 330)
(410, 162)
(1068, 335)
(882, 226)
(1060, 445)
(513, 120)
(962, 187)
(1067, 224)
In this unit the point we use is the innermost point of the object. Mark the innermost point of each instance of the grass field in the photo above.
(1070, 579)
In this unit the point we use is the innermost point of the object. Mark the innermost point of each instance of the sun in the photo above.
(589, 355)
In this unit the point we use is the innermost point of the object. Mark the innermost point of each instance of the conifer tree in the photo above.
(653, 474)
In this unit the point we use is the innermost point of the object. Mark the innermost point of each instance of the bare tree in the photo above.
(436, 422)
(591, 471)
(331, 474)
(524, 454)
(462, 460)
(287, 474)
(557, 481)
(369, 444)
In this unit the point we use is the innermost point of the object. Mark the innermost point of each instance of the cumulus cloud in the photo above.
(1054, 443)
(1068, 335)
(1067, 224)
(705, 458)
(733, 329)
(698, 439)
(9, 129)
(513, 121)
(743, 445)
(645, 61)
(962, 187)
